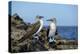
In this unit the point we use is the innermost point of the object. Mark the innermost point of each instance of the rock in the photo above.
(20, 31)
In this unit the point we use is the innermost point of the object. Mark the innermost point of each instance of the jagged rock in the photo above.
(22, 40)
(17, 34)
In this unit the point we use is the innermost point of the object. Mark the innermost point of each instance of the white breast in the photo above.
(52, 29)
(41, 25)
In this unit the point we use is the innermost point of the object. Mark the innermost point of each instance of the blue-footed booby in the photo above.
(52, 30)
(34, 29)
(38, 18)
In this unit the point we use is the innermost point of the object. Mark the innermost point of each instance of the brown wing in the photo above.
(48, 32)
(31, 30)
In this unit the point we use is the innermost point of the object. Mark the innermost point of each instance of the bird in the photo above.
(34, 29)
(51, 30)
(38, 18)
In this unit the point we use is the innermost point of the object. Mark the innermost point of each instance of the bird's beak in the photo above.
(41, 17)
(48, 20)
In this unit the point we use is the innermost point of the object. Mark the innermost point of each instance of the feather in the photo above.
(34, 27)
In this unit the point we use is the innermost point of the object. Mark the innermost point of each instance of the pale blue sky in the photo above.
(65, 14)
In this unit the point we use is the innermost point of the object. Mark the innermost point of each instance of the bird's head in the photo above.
(52, 20)
(39, 17)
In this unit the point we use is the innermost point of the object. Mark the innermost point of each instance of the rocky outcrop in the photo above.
(20, 31)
